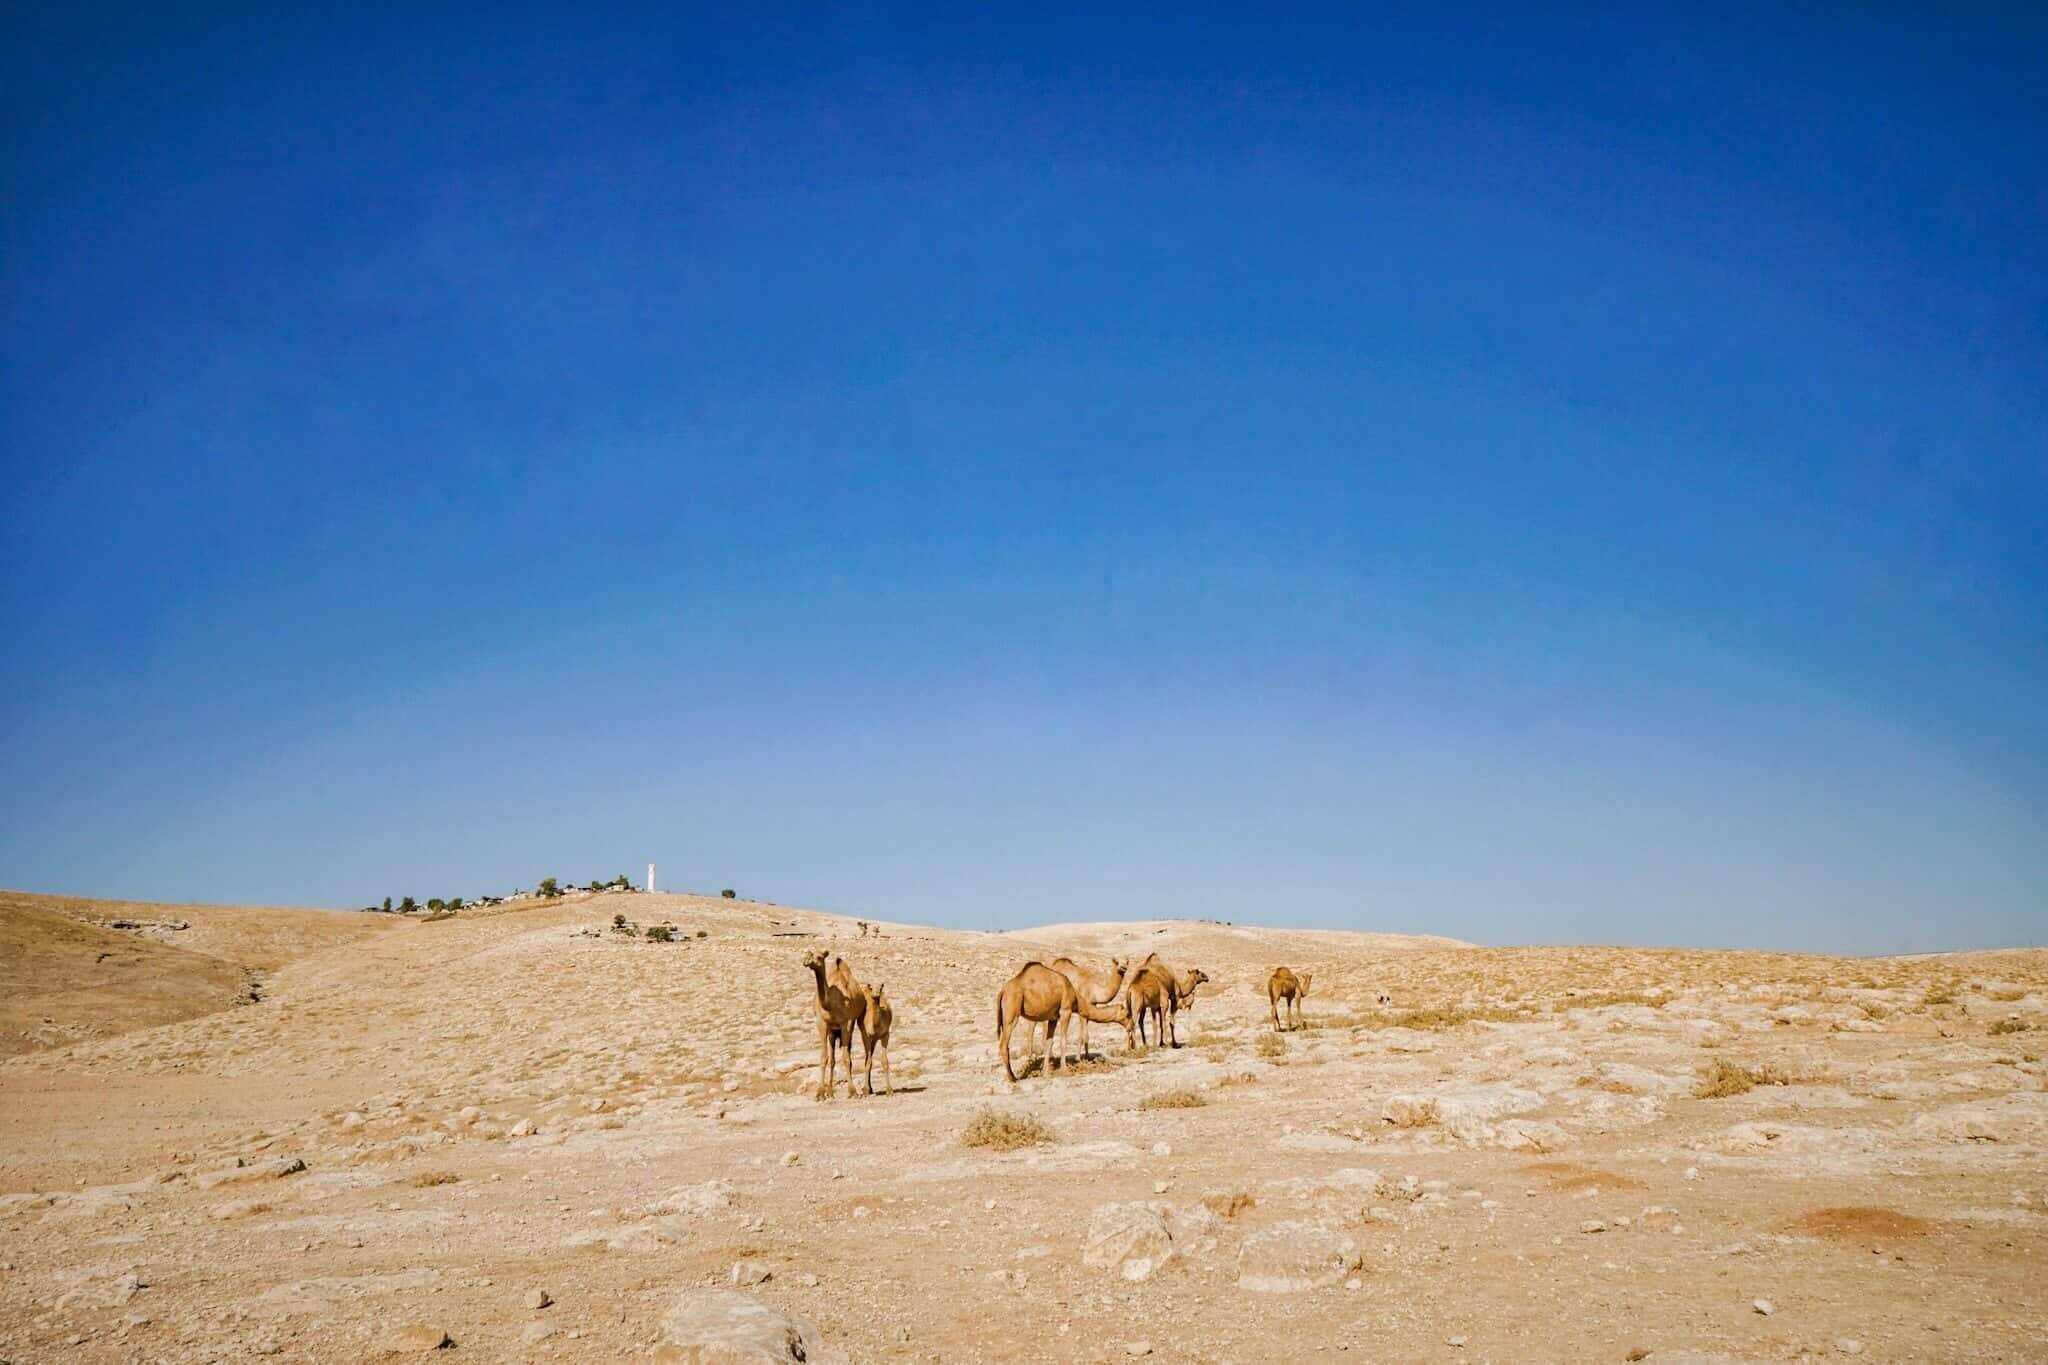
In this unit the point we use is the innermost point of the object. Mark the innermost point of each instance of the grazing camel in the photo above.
(841, 1006)
(1179, 988)
(1285, 985)
(1037, 994)
(1100, 989)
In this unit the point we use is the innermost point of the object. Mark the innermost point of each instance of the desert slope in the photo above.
(66, 976)
(1519, 1158)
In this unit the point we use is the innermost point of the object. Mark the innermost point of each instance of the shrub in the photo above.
(387, 905)
(1174, 1099)
(1730, 1078)
(408, 906)
(428, 1179)
(1940, 995)
(1004, 1131)
(548, 889)
(2004, 1026)
(618, 921)
(1270, 1045)
(661, 933)
(729, 894)
(455, 903)
(437, 904)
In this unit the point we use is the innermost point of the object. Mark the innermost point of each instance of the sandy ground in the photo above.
(1506, 1161)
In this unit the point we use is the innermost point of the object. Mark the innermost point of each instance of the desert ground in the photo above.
(520, 1134)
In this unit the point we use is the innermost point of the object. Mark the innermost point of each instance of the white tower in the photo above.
(650, 876)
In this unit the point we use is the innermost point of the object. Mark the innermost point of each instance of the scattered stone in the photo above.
(273, 1169)
(523, 1128)
(418, 1336)
(791, 1158)
(1131, 1239)
(1291, 1257)
(727, 1326)
(750, 1273)
(1763, 1306)
(537, 1299)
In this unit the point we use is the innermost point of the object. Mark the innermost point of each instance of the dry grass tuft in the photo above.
(1174, 1099)
(429, 1179)
(1726, 1078)
(1003, 1131)
(1228, 1205)
(2004, 1026)
(1602, 999)
(1270, 1045)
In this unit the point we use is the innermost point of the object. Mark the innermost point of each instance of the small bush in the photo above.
(2008, 994)
(1723, 1079)
(2004, 1026)
(618, 921)
(428, 1179)
(548, 889)
(1939, 995)
(1731, 1078)
(729, 894)
(1004, 1131)
(661, 933)
(1174, 1099)
(1270, 1045)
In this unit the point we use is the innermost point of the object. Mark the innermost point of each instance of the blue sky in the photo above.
(1524, 478)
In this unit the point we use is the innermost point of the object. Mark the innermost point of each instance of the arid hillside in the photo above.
(537, 1136)
(68, 974)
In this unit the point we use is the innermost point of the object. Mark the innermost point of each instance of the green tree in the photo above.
(387, 905)
(436, 903)
(407, 906)
(548, 889)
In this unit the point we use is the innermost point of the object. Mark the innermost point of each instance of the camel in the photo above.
(841, 1006)
(1100, 989)
(875, 1028)
(1147, 995)
(1179, 990)
(1285, 985)
(873, 1020)
(1038, 994)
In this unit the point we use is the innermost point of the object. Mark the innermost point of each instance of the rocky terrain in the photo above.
(519, 1134)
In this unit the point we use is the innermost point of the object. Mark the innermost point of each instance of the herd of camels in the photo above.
(1053, 995)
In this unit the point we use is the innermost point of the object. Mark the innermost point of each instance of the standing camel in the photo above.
(1285, 985)
(1100, 989)
(1179, 993)
(1037, 994)
(842, 1006)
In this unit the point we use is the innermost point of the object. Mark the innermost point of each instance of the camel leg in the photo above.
(868, 1051)
(888, 1079)
(1003, 1046)
(1273, 1001)
(824, 1062)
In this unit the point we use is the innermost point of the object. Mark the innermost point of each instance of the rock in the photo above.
(523, 1128)
(695, 1199)
(352, 1120)
(1849, 1346)
(417, 1336)
(726, 1326)
(1763, 1306)
(537, 1299)
(107, 1292)
(273, 1169)
(791, 1158)
(1291, 1257)
(1131, 1239)
(1417, 1109)
(750, 1273)
(2020, 1119)
(1592, 1225)
(1456, 1342)
(1138, 1348)
(1162, 1149)
(237, 1208)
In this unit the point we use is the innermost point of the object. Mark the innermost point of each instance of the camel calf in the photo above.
(875, 1028)
(1285, 985)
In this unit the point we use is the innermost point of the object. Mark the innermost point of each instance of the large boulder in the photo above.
(726, 1327)
(1290, 1258)
(1131, 1239)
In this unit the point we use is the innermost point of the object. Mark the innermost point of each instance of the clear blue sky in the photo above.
(1524, 478)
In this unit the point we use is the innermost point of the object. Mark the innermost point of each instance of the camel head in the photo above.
(1195, 978)
(1304, 979)
(815, 959)
(1121, 966)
